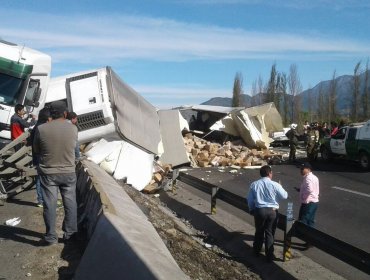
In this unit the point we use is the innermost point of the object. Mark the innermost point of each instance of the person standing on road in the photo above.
(309, 195)
(72, 118)
(292, 135)
(55, 142)
(263, 197)
(44, 117)
(312, 147)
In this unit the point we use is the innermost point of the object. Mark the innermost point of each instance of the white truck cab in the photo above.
(24, 78)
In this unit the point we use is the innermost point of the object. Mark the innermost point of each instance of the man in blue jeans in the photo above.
(55, 142)
(263, 197)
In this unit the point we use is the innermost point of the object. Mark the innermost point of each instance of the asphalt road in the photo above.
(344, 202)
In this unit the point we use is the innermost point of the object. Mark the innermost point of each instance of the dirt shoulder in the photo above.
(21, 256)
(189, 247)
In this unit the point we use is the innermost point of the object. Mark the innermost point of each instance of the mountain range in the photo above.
(344, 91)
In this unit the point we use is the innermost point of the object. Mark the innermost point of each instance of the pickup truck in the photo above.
(350, 142)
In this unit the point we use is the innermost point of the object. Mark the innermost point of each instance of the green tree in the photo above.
(295, 87)
(282, 89)
(356, 93)
(237, 90)
(332, 98)
(260, 90)
(365, 96)
(254, 93)
(271, 86)
(321, 111)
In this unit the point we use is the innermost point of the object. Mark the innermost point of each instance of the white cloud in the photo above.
(182, 91)
(127, 37)
(172, 96)
(294, 4)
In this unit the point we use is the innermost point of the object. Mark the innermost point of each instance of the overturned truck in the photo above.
(108, 109)
(128, 137)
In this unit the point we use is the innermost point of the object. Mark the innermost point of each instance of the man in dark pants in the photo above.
(55, 142)
(292, 135)
(18, 124)
(263, 203)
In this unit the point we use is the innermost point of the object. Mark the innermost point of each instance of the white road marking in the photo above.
(346, 190)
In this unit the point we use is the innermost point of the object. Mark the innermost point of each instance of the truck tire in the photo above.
(364, 161)
(325, 154)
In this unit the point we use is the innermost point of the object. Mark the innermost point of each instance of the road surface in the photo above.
(343, 210)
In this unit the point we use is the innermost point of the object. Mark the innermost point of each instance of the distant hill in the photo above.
(226, 101)
(344, 94)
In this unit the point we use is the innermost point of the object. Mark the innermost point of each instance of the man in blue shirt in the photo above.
(263, 198)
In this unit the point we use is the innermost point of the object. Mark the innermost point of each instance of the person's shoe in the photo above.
(256, 253)
(271, 258)
(307, 245)
(40, 205)
(45, 243)
(71, 239)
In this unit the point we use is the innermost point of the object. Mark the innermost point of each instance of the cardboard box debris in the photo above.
(159, 175)
(204, 153)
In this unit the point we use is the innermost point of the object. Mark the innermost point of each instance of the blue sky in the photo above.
(184, 52)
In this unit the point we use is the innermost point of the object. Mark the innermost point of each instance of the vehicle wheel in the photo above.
(364, 161)
(325, 154)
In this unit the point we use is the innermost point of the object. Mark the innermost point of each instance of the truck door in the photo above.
(338, 143)
(84, 93)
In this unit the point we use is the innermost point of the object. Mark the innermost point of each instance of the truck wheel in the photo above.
(364, 161)
(325, 154)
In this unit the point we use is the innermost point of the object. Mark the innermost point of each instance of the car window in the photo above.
(352, 134)
(340, 134)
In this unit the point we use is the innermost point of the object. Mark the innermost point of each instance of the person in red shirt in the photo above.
(17, 123)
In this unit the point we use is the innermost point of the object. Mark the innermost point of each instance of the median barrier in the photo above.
(123, 244)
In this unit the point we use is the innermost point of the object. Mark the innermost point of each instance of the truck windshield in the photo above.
(9, 89)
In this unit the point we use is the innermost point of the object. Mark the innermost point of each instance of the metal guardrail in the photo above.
(16, 172)
(331, 245)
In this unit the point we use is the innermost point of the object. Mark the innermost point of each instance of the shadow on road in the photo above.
(20, 235)
(72, 254)
(339, 165)
(231, 242)
(21, 202)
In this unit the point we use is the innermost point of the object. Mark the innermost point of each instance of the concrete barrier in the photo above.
(123, 244)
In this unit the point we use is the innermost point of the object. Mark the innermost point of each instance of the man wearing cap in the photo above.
(263, 197)
(292, 135)
(309, 195)
(55, 142)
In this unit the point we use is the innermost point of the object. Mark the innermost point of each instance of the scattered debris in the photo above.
(13, 222)
(160, 179)
(204, 153)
